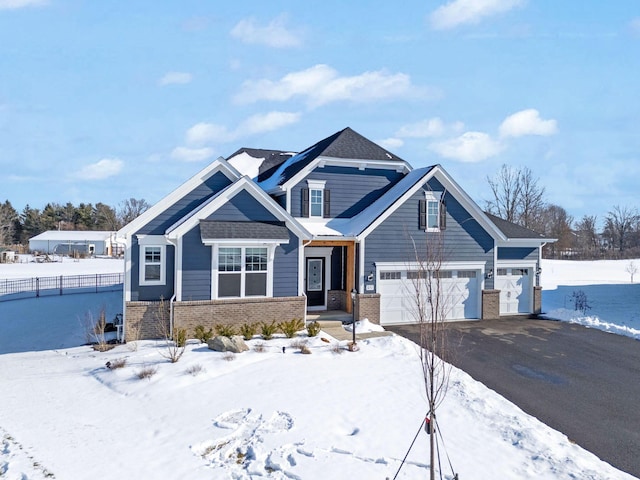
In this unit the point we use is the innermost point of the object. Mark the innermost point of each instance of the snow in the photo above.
(64, 414)
(246, 164)
(614, 300)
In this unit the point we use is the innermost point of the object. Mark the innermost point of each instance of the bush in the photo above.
(580, 301)
(203, 335)
(229, 356)
(180, 337)
(313, 328)
(226, 330)
(291, 327)
(267, 330)
(259, 347)
(248, 330)
(117, 363)
(195, 370)
(146, 372)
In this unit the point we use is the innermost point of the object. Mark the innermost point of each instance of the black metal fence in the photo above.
(12, 288)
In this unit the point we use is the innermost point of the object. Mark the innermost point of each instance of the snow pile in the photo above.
(364, 326)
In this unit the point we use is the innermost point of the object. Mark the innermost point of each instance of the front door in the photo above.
(315, 282)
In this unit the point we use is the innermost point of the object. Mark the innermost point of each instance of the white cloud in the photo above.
(634, 25)
(275, 34)
(15, 4)
(175, 78)
(105, 168)
(391, 143)
(464, 12)
(527, 122)
(207, 133)
(430, 128)
(185, 154)
(322, 84)
(469, 147)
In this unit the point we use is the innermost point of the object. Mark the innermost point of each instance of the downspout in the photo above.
(173, 299)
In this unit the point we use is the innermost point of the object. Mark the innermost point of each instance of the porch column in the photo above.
(350, 274)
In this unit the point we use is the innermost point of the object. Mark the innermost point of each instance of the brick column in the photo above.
(490, 304)
(368, 306)
(537, 300)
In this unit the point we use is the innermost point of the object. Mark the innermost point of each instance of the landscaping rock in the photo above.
(305, 350)
(234, 344)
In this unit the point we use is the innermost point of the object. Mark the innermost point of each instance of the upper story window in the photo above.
(433, 212)
(316, 200)
(152, 264)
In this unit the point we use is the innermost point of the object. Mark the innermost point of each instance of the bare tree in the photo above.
(517, 197)
(431, 304)
(557, 224)
(631, 269)
(130, 209)
(619, 225)
(587, 236)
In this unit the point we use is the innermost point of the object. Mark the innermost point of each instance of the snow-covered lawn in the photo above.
(65, 415)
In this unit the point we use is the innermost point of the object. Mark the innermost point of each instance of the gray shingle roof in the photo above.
(511, 230)
(212, 230)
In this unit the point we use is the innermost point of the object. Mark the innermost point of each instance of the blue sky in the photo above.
(105, 100)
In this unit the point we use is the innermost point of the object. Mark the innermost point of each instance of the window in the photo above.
(152, 265)
(315, 203)
(316, 200)
(466, 274)
(242, 271)
(432, 212)
(390, 275)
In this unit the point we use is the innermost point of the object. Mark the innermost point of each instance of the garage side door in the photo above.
(397, 288)
(515, 290)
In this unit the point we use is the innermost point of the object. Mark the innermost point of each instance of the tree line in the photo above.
(518, 197)
(16, 228)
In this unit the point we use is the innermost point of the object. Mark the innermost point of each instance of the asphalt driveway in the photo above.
(583, 382)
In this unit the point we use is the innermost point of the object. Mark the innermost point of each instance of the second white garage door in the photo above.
(460, 292)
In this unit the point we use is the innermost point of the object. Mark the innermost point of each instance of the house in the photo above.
(68, 242)
(341, 225)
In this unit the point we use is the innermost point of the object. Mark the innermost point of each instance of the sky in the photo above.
(104, 101)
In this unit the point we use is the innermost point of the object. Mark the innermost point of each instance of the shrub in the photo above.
(298, 343)
(313, 328)
(226, 330)
(229, 356)
(336, 348)
(291, 327)
(248, 330)
(580, 301)
(267, 330)
(146, 372)
(180, 337)
(259, 347)
(203, 335)
(117, 363)
(195, 370)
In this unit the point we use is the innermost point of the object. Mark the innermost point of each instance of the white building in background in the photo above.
(68, 242)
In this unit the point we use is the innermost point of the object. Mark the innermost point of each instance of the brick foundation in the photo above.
(490, 304)
(336, 300)
(368, 306)
(537, 300)
(209, 313)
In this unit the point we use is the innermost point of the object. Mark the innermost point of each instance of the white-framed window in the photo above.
(243, 271)
(432, 212)
(316, 202)
(152, 264)
(318, 199)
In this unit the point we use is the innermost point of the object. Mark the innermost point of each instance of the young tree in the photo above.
(431, 304)
(631, 269)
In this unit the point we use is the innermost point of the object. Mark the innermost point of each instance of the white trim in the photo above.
(361, 267)
(433, 197)
(318, 252)
(183, 226)
(316, 184)
(178, 270)
(462, 265)
(244, 242)
(214, 270)
(163, 265)
(218, 165)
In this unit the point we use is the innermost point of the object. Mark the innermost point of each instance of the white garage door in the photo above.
(515, 290)
(397, 290)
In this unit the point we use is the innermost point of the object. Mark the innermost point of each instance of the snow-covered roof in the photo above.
(74, 235)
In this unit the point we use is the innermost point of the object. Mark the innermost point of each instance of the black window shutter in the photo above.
(327, 204)
(443, 215)
(305, 202)
(422, 215)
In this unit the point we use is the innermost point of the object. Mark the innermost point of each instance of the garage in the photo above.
(460, 288)
(515, 288)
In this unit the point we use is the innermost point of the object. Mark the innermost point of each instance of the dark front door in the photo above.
(315, 282)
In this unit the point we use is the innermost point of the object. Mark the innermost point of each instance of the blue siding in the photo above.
(186, 204)
(352, 190)
(151, 293)
(243, 207)
(517, 253)
(285, 269)
(463, 239)
(196, 267)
